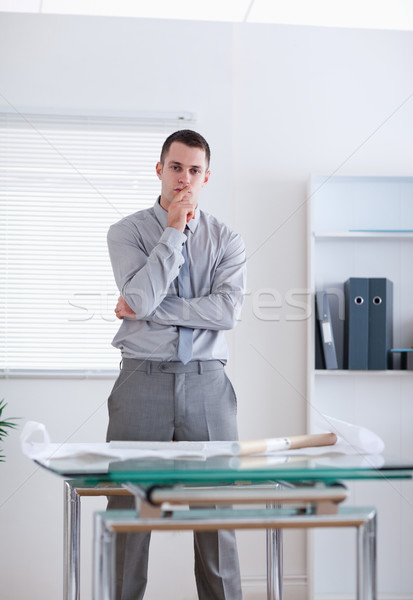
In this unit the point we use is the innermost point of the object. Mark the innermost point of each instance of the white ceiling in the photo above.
(372, 14)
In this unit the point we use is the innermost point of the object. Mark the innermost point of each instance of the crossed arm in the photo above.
(123, 310)
(144, 282)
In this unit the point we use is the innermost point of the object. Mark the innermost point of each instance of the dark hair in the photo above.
(189, 138)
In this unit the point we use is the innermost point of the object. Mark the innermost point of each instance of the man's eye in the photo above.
(196, 171)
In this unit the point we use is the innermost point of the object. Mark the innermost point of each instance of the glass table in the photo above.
(271, 493)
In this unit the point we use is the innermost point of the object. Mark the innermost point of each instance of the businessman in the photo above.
(181, 274)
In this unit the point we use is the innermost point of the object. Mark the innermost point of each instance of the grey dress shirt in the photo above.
(146, 256)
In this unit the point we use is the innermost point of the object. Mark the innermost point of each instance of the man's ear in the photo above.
(159, 170)
(207, 174)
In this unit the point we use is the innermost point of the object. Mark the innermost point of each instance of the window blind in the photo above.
(63, 182)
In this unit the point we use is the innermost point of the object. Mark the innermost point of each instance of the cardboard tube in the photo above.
(315, 439)
(277, 444)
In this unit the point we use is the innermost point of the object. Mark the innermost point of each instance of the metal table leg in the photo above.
(274, 564)
(366, 560)
(73, 491)
(104, 576)
(71, 548)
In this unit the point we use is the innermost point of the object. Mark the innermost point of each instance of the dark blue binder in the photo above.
(326, 330)
(380, 323)
(356, 330)
(319, 354)
(405, 356)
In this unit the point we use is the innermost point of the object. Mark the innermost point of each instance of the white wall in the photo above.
(309, 100)
(276, 103)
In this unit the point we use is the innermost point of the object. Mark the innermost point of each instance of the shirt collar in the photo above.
(162, 216)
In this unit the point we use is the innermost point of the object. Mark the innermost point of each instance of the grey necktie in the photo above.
(184, 289)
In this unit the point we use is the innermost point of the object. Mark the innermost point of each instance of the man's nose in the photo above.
(185, 177)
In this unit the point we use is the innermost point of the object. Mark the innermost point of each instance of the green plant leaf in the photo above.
(5, 425)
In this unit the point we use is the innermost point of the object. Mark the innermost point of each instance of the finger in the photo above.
(184, 193)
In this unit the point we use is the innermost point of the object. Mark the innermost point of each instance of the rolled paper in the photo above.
(283, 443)
(352, 439)
(311, 440)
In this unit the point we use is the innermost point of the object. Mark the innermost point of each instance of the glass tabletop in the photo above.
(213, 470)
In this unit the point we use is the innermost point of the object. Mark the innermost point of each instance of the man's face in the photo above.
(183, 166)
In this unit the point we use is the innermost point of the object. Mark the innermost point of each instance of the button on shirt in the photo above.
(146, 256)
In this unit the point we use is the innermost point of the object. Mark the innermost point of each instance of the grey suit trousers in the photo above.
(154, 401)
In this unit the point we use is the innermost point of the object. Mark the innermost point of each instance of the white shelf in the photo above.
(366, 373)
(393, 235)
(360, 227)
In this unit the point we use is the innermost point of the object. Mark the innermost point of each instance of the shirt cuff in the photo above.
(173, 237)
